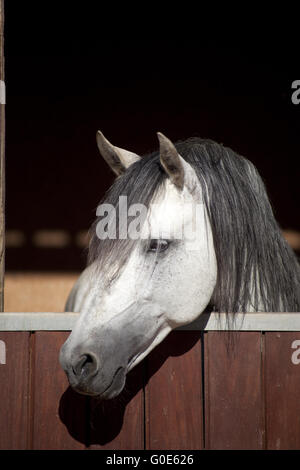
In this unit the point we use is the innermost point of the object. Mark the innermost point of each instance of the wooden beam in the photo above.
(51, 321)
(2, 161)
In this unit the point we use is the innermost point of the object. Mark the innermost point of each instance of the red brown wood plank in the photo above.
(234, 416)
(174, 413)
(14, 390)
(282, 371)
(59, 413)
(119, 423)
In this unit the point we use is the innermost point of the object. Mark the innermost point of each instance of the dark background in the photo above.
(64, 83)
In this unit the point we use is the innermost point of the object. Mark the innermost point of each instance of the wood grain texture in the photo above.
(14, 391)
(251, 395)
(282, 371)
(59, 414)
(174, 413)
(233, 391)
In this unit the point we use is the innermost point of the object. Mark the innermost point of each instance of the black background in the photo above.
(64, 80)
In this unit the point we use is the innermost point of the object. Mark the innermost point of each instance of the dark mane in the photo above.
(255, 263)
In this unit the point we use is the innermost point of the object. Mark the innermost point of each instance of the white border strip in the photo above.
(207, 322)
(246, 322)
(37, 321)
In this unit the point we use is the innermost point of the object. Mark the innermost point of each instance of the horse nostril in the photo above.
(86, 366)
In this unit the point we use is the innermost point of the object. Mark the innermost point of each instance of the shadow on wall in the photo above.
(100, 422)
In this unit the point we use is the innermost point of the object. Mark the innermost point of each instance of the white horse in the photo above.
(208, 238)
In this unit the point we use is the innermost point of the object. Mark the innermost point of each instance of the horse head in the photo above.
(166, 281)
(186, 226)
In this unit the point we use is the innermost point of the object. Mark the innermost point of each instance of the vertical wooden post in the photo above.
(2, 162)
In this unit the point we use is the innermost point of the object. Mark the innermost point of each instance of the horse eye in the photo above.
(158, 245)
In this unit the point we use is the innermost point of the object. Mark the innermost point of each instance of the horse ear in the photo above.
(177, 169)
(170, 160)
(118, 159)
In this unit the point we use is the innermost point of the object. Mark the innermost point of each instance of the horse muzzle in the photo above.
(87, 377)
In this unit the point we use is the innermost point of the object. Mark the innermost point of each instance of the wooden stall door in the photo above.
(64, 419)
(233, 391)
(49, 385)
(174, 413)
(14, 390)
(283, 390)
